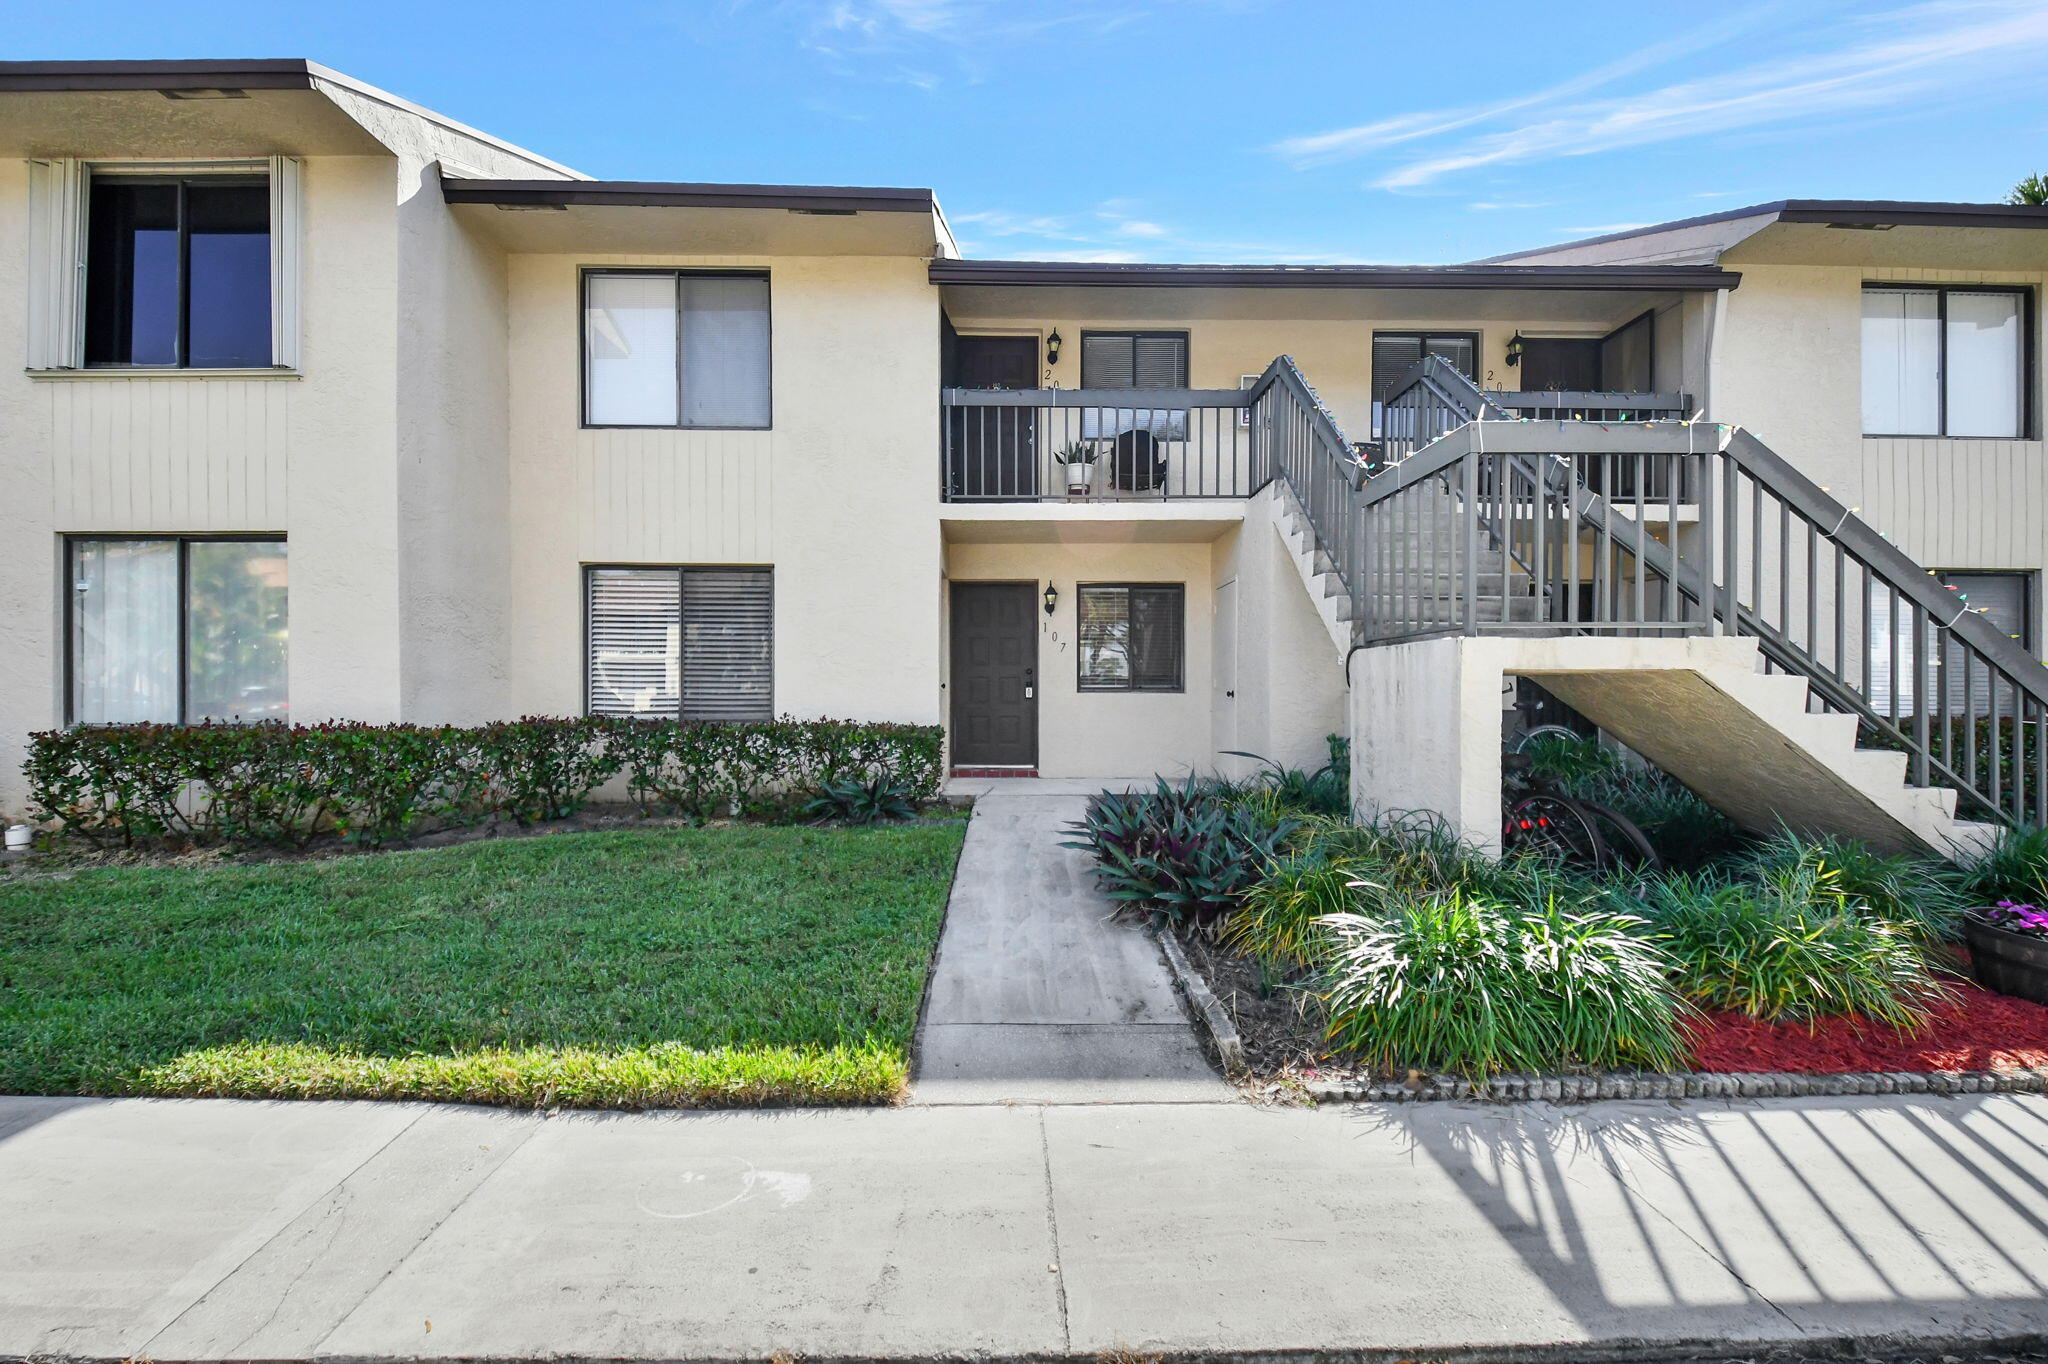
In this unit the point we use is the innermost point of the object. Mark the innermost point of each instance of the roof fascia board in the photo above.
(1580, 277)
(1859, 212)
(662, 194)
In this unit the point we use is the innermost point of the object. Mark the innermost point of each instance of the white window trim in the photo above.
(56, 277)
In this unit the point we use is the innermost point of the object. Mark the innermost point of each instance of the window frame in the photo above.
(1941, 291)
(584, 275)
(1374, 402)
(183, 180)
(1130, 685)
(59, 211)
(67, 587)
(1182, 334)
(587, 572)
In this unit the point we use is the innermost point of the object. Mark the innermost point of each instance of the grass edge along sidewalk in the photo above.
(717, 967)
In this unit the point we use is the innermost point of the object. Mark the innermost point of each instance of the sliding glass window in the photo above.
(177, 630)
(671, 348)
(1944, 362)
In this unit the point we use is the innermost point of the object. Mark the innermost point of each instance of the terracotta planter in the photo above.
(2011, 963)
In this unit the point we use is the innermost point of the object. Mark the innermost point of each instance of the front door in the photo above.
(994, 450)
(995, 682)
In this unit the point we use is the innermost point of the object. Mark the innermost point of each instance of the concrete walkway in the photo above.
(178, 1230)
(1037, 995)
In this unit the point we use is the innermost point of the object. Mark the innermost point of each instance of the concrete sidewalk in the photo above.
(1037, 995)
(221, 1230)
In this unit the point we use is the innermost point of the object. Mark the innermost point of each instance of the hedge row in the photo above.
(375, 784)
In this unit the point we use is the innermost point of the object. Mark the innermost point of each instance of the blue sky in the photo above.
(1199, 130)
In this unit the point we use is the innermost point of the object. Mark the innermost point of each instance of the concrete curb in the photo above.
(1208, 1009)
(1691, 1084)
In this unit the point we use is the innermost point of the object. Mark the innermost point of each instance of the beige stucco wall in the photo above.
(1110, 734)
(313, 457)
(840, 496)
(1788, 366)
(1288, 674)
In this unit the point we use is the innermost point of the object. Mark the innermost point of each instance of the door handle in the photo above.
(1028, 691)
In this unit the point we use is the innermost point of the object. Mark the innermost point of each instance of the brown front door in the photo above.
(994, 450)
(995, 682)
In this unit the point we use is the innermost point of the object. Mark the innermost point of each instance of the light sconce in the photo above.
(1052, 598)
(1515, 350)
(1052, 348)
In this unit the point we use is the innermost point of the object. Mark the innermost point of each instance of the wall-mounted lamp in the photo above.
(1052, 598)
(1052, 348)
(1514, 350)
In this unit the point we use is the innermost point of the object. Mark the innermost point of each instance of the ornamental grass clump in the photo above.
(1465, 983)
(2014, 869)
(1841, 873)
(1791, 950)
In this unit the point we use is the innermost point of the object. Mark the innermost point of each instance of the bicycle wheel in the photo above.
(1627, 846)
(1556, 827)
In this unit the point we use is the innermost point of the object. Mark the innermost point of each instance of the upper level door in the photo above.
(1553, 364)
(992, 452)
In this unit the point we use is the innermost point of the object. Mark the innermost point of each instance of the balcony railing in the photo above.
(1107, 445)
(1544, 404)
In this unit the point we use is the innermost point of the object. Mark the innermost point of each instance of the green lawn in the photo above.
(656, 968)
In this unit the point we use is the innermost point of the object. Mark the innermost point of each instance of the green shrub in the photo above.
(1280, 919)
(861, 800)
(1839, 874)
(2015, 869)
(1684, 830)
(1180, 851)
(1463, 983)
(1792, 949)
(282, 785)
(1569, 760)
(1296, 791)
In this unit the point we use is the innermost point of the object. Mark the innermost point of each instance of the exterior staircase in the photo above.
(1736, 658)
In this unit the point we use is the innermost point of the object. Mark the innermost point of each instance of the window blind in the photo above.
(1395, 353)
(1132, 636)
(2002, 597)
(688, 643)
(677, 349)
(1134, 360)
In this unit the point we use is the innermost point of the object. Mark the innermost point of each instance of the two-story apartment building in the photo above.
(332, 407)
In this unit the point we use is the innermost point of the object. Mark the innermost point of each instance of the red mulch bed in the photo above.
(1981, 1031)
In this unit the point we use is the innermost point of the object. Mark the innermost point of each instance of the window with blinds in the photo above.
(1133, 636)
(1944, 361)
(2004, 599)
(1395, 353)
(681, 643)
(675, 348)
(1134, 359)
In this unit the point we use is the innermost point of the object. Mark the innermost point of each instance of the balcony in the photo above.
(1103, 446)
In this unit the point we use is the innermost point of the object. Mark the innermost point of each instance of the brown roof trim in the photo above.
(1853, 212)
(262, 73)
(1333, 276)
(664, 194)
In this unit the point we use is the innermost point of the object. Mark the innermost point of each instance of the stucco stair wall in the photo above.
(1425, 732)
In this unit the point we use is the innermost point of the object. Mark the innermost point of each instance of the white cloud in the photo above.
(1945, 50)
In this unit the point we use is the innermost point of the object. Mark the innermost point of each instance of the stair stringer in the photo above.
(1425, 733)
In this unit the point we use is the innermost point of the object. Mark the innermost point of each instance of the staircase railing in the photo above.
(1664, 526)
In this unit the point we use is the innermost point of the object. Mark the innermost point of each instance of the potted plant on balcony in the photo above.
(1079, 459)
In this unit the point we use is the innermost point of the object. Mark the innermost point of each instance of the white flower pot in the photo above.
(19, 836)
(1080, 479)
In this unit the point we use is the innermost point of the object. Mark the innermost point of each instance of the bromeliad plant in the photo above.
(862, 800)
(1178, 851)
